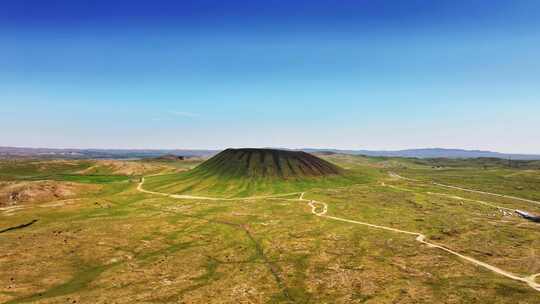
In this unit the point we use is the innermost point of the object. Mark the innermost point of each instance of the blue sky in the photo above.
(215, 74)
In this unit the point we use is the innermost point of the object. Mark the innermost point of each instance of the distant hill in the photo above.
(169, 157)
(432, 153)
(100, 153)
(266, 163)
(152, 153)
(248, 172)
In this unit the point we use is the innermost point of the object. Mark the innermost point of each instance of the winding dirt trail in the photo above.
(455, 197)
(467, 190)
(472, 200)
(529, 280)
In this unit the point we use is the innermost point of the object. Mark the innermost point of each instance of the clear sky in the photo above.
(213, 74)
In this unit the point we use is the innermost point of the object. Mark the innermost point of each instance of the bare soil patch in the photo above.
(15, 193)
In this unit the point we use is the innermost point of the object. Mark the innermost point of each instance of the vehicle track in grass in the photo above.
(392, 174)
(272, 266)
(419, 237)
(454, 197)
(529, 280)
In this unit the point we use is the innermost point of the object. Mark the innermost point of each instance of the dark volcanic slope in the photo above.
(266, 163)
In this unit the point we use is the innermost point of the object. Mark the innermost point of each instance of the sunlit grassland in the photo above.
(120, 245)
(189, 183)
(38, 169)
(521, 183)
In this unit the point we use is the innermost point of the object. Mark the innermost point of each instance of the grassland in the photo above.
(248, 172)
(229, 187)
(118, 245)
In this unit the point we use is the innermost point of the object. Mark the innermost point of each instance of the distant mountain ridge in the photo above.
(100, 153)
(148, 153)
(433, 153)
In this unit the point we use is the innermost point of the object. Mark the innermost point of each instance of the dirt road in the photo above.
(530, 280)
(468, 190)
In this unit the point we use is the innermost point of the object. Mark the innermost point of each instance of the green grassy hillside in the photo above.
(266, 163)
(245, 172)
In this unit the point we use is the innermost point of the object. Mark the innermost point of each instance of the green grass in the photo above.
(80, 281)
(265, 163)
(91, 179)
(39, 169)
(191, 183)
(36, 170)
(118, 243)
(249, 172)
(521, 183)
(183, 164)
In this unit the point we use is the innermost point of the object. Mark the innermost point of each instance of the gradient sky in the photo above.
(214, 74)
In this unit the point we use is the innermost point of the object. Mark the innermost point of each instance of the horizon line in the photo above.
(285, 148)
